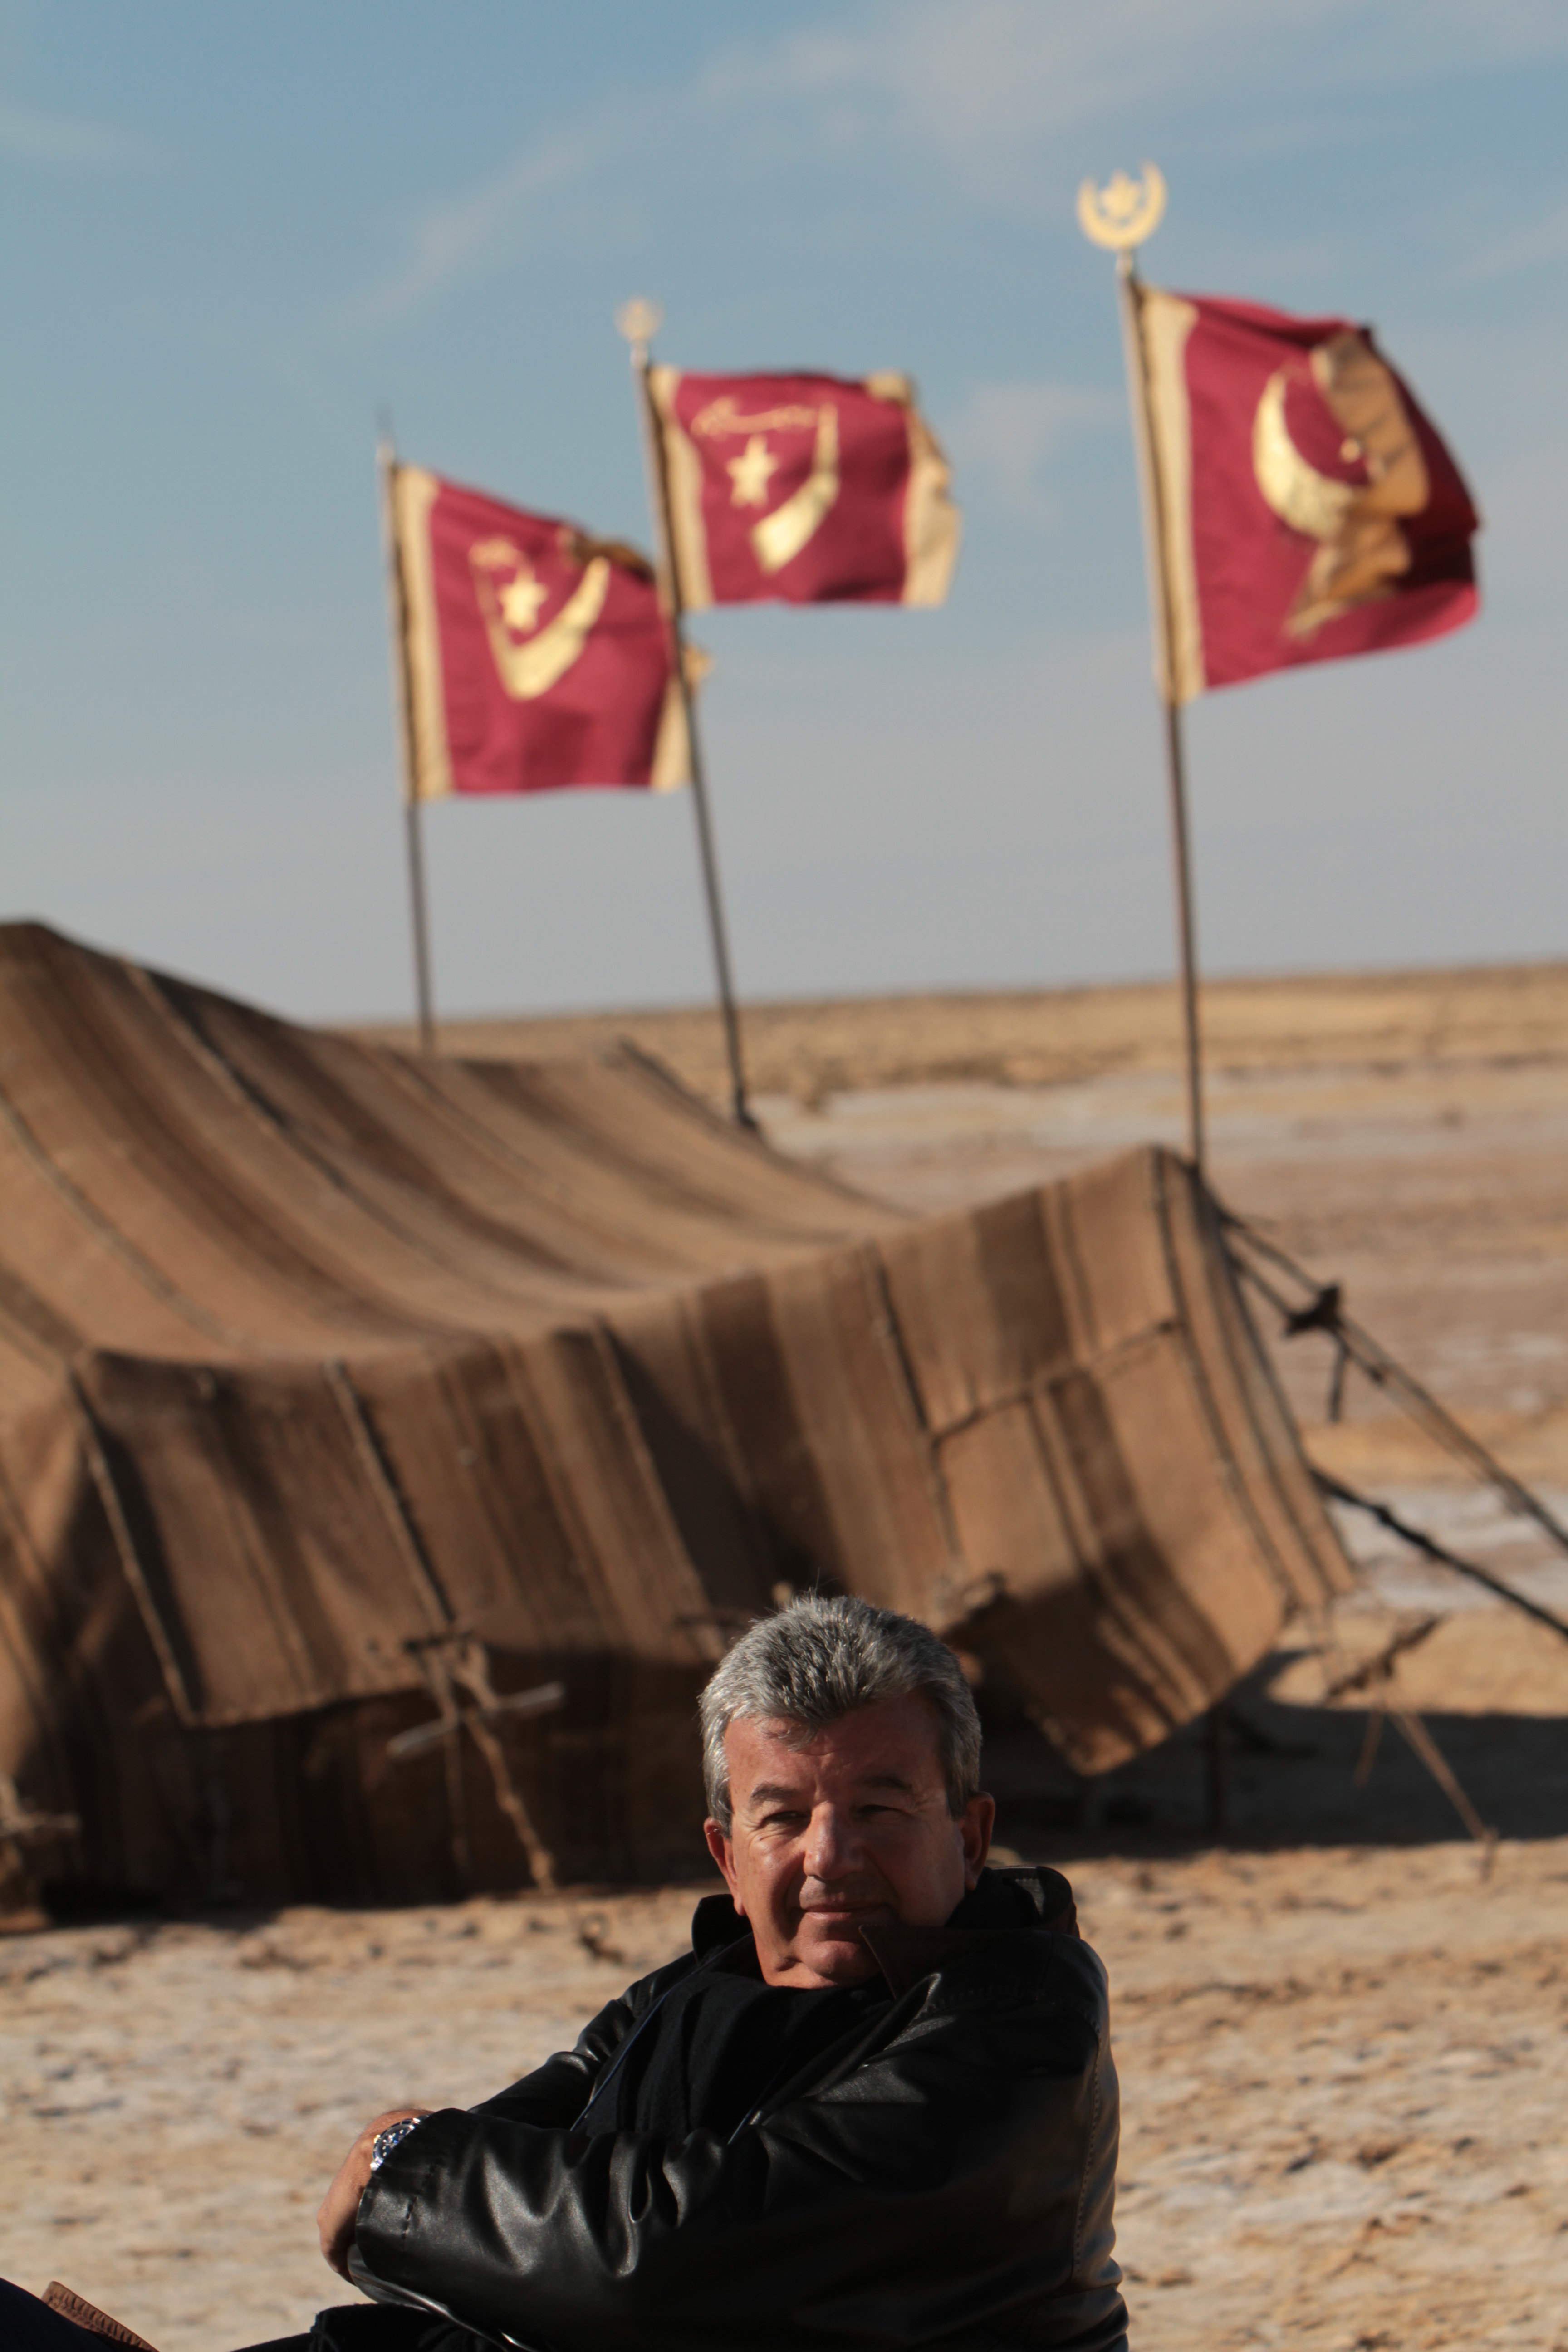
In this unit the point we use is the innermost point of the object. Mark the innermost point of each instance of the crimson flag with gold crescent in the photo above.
(807, 488)
(1308, 510)
(537, 657)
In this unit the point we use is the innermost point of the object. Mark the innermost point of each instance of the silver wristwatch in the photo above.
(383, 2143)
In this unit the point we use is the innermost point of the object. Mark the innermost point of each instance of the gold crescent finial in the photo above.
(1125, 211)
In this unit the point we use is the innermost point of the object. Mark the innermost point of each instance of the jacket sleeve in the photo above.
(953, 2185)
(555, 2094)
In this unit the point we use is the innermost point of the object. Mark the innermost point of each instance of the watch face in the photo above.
(385, 2141)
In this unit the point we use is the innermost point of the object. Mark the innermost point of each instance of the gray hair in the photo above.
(819, 1659)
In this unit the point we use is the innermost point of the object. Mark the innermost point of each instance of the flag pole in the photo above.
(1176, 744)
(638, 321)
(402, 696)
(1120, 216)
(1176, 776)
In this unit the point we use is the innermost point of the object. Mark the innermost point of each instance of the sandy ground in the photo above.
(816, 1048)
(1344, 2074)
(1340, 2028)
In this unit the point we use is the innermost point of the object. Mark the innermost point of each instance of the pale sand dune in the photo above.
(811, 1048)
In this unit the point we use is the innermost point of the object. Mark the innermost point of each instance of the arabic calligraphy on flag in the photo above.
(1308, 510)
(805, 488)
(538, 659)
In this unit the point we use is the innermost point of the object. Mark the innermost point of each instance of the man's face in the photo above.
(850, 1829)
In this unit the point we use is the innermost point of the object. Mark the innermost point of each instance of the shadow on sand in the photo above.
(1289, 1780)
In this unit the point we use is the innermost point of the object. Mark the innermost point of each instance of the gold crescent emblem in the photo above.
(510, 597)
(781, 535)
(1361, 550)
(1125, 211)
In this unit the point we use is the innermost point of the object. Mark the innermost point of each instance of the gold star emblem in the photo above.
(751, 472)
(520, 599)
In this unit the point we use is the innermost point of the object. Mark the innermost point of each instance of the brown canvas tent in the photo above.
(344, 1394)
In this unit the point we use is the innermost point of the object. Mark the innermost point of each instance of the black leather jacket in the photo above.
(944, 2178)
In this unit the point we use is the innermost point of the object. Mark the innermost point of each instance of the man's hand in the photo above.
(335, 2221)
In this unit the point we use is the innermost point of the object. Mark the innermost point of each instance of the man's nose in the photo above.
(832, 1844)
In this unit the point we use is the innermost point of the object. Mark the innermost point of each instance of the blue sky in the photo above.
(235, 230)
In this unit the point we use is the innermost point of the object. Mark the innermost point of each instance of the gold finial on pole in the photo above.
(639, 320)
(1124, 211)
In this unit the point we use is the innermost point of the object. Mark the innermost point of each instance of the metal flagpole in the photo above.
(639, 322)
(403, 695)
(1120, 216)
(1176, 776)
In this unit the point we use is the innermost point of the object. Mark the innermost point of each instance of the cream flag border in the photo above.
(683, 490)
(672, 745)
(933, 524)
(414, 494)
(1164, 321)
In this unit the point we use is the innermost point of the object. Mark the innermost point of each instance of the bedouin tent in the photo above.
(389, 1445)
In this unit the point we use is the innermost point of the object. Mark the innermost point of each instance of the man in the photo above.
(874, 2105)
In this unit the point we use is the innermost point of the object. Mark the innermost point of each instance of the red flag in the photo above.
(808, 488)
(1308, 509)
(537, 657)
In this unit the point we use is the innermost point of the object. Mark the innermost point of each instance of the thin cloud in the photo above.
(62, 139)
(1006, 434)
(978, 86)
(980, 82)
(474, 231)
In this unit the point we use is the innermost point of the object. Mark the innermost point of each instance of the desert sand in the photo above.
(1343, 2072)
(1340, 2025)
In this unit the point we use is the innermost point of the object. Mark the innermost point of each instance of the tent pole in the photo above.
(638, 321)
(402, 696)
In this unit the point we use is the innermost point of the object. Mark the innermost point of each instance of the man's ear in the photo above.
(976, 1825)
(721, 1846)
